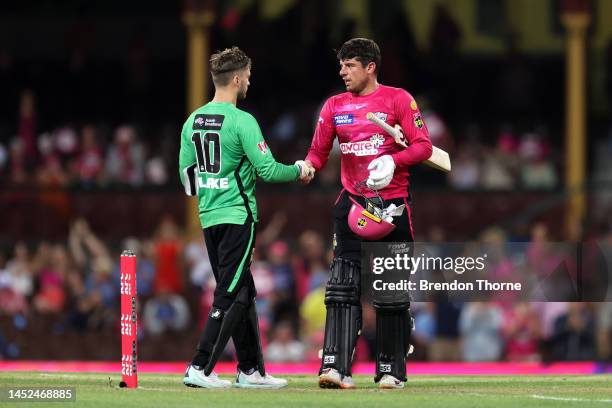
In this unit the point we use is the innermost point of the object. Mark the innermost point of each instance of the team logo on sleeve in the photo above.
(263, 147)
(344, 119)
(418, 121)
(413, 105)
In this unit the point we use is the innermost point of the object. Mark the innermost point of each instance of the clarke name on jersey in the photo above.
(214, 183)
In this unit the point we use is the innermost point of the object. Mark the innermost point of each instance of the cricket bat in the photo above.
(439, 159)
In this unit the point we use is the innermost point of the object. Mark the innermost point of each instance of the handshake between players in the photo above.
(223, 151)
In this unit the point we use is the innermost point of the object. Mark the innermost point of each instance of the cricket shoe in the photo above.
(331, 378)
(389, 382)
(195, 377)
(256, 380)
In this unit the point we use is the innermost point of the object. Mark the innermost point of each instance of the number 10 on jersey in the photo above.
(208, 152)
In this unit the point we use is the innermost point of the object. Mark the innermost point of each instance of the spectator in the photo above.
(446, 345)
(284, 346)
(522, 333)
(79, 305)
(125, 158)
(156, 172)
(466, 169)
(264, 282)
(89, 163)
(11, 300)
(19, 271)
(574, 334)
(310, 262)
(480, 326)
(85, 246)
(53, 264)
(100, 283)
(499, 164)
(168, 248)
(312, 312)
(197, 262)
(536, 171)
(51, 171)
(549, 313)
(165, 311)
(424, 330)
(284, 305)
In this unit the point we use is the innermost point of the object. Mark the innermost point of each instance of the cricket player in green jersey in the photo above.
(222, 152)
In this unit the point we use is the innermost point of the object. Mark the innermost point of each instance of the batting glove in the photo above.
(381, 172)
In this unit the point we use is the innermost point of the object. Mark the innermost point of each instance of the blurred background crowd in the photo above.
(71, 290)
(90, 115)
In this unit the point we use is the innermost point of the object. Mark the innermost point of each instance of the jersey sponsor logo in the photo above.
(418, 121)
(208, 122)
(377, 139)
(344, 119)
(263, 147)
(364, 148)
(381, 115)
(214, 183)
(413, 105)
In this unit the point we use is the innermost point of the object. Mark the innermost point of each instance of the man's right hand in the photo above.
(307, 171)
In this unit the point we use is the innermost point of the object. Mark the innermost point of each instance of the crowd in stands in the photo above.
(76, 284)
(86, 156)
(91, 155)
(525, 161)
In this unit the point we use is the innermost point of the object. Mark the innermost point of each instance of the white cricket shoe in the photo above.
(389, 382)
(255, 380)
(195, 377)
(331, 378)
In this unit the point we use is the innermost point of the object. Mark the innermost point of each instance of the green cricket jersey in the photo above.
(222, 152)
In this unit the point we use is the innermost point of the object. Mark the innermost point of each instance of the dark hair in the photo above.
(224, 64)
(363, 50)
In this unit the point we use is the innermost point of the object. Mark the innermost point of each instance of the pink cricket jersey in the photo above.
(361, 141)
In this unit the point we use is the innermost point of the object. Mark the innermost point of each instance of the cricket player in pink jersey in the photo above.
(375, 166)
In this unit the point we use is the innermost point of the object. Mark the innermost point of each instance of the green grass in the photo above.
(95, 390)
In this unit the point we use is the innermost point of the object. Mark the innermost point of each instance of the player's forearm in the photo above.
(278, 173)
(413, 154)
(317, 158)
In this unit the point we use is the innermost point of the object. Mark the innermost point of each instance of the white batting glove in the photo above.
(381, 172)
(399, 136)
(305, 170)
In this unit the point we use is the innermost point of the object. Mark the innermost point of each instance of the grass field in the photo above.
(155, 390)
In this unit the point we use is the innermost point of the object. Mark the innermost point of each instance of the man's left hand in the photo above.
(381, 172)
